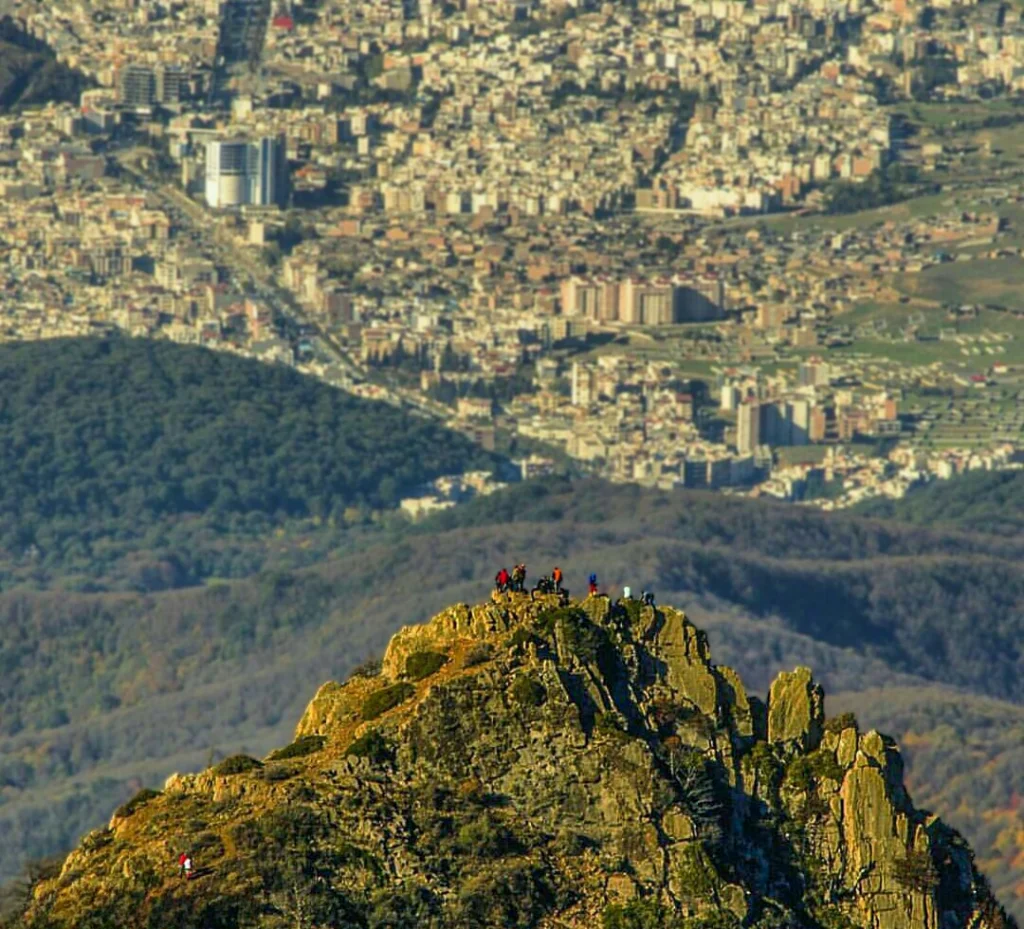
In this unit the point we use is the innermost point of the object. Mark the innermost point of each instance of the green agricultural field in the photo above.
(894, 315)
(924, 205)
(909, 353)
(802, 454)
(931, 116)
(995, 280)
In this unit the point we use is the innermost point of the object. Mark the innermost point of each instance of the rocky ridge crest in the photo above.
(524, 762)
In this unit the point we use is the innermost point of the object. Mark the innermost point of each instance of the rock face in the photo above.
(528, 763)
(796, 709)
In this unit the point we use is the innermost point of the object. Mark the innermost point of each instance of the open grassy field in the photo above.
(946, 115)
(995, 280)
(910, 353)
(884, 313)
(786, 223)
(802, 454)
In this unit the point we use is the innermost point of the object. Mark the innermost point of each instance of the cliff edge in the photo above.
(527, 763)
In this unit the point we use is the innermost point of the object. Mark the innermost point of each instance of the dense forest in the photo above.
(103, 440)
(981, 501)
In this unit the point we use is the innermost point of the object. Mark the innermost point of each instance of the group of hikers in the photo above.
(515, 582)
(506, 582)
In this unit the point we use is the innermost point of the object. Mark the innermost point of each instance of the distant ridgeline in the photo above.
(524, 763)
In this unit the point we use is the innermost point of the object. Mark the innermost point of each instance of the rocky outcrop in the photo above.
(796, 709)
(531, 763)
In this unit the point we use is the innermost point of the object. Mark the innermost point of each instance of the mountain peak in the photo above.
(538, 762)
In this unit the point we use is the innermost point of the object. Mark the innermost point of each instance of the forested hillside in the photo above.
(110, 446)
(981, 501)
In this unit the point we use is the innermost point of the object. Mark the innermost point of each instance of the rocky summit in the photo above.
(537, 763)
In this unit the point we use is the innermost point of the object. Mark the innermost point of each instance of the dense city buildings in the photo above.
(759, 247)
(244, 172)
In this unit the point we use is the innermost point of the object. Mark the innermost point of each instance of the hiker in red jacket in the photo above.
(556, 576)
(501, 580)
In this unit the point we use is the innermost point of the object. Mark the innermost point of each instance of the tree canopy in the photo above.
(101, 438)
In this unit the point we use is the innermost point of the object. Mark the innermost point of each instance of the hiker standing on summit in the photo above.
(519, 578)
(501, 581)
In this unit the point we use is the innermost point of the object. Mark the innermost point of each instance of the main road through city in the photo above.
(246, 266)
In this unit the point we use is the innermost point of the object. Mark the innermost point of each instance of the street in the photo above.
(248, 268)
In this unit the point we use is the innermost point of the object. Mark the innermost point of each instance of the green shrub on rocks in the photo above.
(549, 618)
(916, 872)
(638, 914)
(514, 895)
(521, 637)
(275, 773)
(97, 839)
(208, 844)
(634, 610)
(837, 724)
(421, 665)
(804, 771)
(611, 724)
(478, 654)
(370, 745)
(408, 907)
(766, 766)
(139, 800)
(799, 775)
(697, 874)
(305, 745)
(823, 764)
(832, 917)
(387, 698)
(528, 692)
(236, 764)
(485, 837)
(714, 919)
(814, 807)
(585, 640)
(369, 668)
(571, 844)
